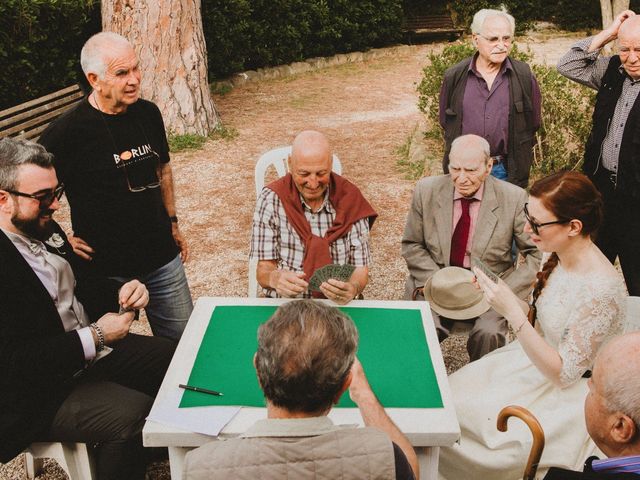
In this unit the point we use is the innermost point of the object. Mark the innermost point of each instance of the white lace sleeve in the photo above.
(599, 313)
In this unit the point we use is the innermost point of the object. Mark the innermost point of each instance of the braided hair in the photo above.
(568, 195)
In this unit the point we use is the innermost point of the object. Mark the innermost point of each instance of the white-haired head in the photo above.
(482, 15)
(470, 145)
(95, 51)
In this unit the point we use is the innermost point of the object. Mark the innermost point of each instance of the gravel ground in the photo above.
(368, 110)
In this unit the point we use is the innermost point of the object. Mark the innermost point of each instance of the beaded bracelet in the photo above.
(100, 334)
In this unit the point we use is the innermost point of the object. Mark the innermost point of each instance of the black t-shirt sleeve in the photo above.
(403, 469)
(54, 139)
(155, 117)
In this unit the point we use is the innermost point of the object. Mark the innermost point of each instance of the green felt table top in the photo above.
(393, 351)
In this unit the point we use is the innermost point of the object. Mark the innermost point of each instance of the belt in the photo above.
(499, 158)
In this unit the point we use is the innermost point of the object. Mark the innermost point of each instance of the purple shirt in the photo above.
(489, 109)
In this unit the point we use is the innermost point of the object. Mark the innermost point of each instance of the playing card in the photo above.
(476, 262)
(338, 272)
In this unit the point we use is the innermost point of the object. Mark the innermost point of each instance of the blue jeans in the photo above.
(170, 303)
(499, 171)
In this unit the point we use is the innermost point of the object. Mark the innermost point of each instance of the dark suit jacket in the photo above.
(38, 359)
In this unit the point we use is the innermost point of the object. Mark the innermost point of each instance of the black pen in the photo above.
(201, 390)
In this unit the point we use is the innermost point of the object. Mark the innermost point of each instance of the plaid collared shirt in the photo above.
(588, 68)
(274, 238)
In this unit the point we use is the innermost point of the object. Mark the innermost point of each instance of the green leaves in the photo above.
(40, 42)
(250, 34)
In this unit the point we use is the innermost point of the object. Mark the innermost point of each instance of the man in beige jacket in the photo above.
(467, 214)
(305, 361)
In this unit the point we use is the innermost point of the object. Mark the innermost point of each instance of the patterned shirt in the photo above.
(274, 238)
(630, 464)
(588, 68)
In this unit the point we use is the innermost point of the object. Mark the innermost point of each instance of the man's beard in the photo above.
(32, 227)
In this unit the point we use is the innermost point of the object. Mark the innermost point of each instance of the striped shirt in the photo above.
(630, 464)
(588, 68)
(274, 238)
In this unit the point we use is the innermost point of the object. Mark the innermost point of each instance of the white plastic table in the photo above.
(427, 428)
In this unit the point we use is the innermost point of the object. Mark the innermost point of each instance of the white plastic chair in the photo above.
(276, 158)
(72, 457)
(633, 315)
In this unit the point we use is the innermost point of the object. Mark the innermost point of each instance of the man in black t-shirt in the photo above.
(112, 155)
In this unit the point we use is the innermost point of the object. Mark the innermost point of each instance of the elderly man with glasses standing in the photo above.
(112, 154)
(493, 96)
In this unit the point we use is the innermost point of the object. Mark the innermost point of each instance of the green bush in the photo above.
(249, 34)
(566, 109)
(524, 11)
(577, 14)
(40, 41)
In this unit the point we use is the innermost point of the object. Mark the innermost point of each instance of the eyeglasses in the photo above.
(536, 226)
(45, 198)
(496, 40)
(136, 186)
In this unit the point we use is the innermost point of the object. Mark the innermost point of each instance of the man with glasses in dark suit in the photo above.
(71, 371)
(112, 154)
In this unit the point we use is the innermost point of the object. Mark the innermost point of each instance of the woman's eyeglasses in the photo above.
(536, 226)
(45, 198)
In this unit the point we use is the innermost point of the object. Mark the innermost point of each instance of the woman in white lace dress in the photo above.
(580, 301)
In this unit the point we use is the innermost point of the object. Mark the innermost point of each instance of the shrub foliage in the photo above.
(566, 109)
(40, 42)
(249, 34)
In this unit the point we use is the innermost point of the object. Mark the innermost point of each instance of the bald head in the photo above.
(311, 143)
(98, 49)
(619, 363)
(310, 165)
(630, 26)
(629, 46)
(612, 407)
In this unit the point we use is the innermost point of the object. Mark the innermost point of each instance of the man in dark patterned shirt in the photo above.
(612, 156)
(307, 219)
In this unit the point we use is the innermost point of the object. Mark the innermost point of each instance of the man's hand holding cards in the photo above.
(333, 281)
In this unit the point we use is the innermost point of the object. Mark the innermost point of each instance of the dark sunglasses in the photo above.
(536, 226)
(45, 198)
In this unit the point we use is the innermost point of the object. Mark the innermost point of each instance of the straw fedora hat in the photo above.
(451, 293)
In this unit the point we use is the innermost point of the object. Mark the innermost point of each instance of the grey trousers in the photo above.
(108, 406)
(489, 332)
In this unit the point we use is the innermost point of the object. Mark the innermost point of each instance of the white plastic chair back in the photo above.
(276, 158)
(633, 315)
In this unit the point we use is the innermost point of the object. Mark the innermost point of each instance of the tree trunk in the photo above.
(167, 35)
(610, 9)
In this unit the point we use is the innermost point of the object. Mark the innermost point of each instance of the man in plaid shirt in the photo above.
(307, 219)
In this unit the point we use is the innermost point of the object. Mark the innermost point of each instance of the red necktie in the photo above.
(461, 235)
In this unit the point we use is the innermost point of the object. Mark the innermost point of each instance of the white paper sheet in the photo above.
(207, 420)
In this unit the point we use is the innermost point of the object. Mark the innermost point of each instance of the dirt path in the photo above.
(367, 110)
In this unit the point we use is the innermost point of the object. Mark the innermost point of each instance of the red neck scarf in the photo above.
(349, 204)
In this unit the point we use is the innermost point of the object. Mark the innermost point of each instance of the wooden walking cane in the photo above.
(536, 430)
